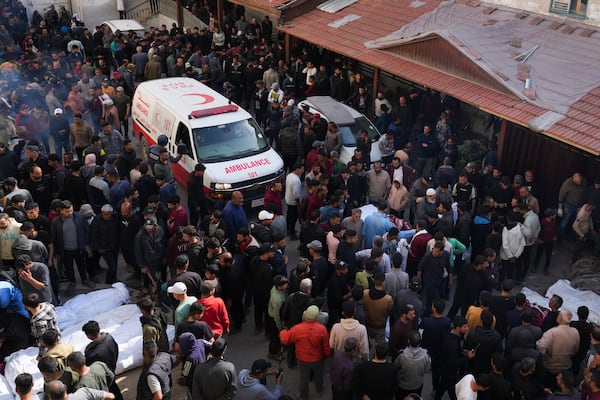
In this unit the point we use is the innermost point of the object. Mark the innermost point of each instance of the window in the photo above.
(229, 141)
(183, 136)
(351, 133)
(574, 8)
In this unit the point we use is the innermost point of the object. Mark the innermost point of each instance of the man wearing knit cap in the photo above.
(312, 347)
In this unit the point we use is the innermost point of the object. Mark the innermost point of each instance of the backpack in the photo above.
(539, 314)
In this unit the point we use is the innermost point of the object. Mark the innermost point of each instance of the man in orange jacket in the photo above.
(312, 347)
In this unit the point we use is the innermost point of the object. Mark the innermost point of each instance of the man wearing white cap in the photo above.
(111, 114)
(179, 292)
(260, 230)
(60, 130)
(426, 206)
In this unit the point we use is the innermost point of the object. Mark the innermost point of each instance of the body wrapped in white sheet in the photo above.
(572, 298)
(121, 321)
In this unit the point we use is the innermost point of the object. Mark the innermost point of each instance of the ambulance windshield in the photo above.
(229, 141)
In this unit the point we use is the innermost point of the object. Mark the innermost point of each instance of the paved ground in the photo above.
(245, 347)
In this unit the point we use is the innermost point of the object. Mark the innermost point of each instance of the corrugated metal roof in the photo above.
(380, 18)
(343, 21)
(333, 6)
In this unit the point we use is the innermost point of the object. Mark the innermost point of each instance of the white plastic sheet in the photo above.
(572, 298)
(84, 307)
(121, 322)
(5, 390)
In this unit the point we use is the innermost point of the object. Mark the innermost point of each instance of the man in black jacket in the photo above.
(454, 358)
(104, 239)
(197, 200)
(103, 348)
(468, 286)
(260, 230)
(485, 341)
(261, 276)
(500, 388)
(346, 252)
(129, 225)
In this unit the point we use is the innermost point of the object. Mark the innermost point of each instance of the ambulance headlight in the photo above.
(222, 186)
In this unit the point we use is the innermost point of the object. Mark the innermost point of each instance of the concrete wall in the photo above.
(543, 7)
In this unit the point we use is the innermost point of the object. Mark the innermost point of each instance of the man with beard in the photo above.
(40, 187)
(129, 226)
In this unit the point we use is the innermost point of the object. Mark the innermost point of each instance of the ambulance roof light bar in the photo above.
(213, 111)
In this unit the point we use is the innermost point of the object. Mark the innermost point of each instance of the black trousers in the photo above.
(291, 218)
(525, 261)
(544, 248)
(68, 256)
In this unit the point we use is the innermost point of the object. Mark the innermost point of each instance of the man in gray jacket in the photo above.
(216, 378)
(149, 252)
(413, 363)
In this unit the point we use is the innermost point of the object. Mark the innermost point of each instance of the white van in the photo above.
(124, 25)
(349, 121)
(217, 133)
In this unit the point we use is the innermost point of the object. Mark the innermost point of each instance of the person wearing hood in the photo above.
(412, 363)
(378, 306)
(398, 198)
(522, 336)
(349, 327)
(513, 244)
(251, 383)
(33, 248)
(154, 324)
(193, 352)
(16, 209)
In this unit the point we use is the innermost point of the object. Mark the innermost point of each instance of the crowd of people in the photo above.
(367, 290)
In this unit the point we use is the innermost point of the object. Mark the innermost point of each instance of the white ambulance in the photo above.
(211, 130)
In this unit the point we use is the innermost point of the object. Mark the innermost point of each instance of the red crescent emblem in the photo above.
(205, 98)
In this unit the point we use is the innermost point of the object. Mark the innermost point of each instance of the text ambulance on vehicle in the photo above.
(215, 132)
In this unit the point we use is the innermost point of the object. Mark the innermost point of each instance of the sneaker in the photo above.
(89, 283)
